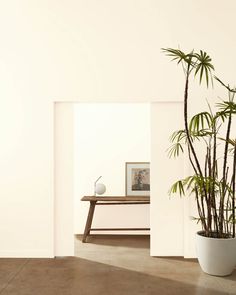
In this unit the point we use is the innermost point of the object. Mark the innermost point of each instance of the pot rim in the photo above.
(198, 233)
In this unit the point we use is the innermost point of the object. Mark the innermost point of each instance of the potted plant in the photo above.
(213, 179)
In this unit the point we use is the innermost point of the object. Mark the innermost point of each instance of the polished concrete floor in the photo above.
(110, 265)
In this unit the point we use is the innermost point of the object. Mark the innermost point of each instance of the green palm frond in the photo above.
(200, 121)
(178, 136)
(191, 181)
(200, 62)
(187, 184)
(202, 133)
(227, 107)
(221, 115)
(196, 182)
(177, 187)
(177, 55)
(230, 141)
(175, 150)
(203, 66)
(183, 185)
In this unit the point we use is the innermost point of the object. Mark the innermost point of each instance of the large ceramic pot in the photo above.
(216, 256)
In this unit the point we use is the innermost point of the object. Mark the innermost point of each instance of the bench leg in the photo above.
(89, 220)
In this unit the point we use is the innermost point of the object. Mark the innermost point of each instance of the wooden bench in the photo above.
(110, 200)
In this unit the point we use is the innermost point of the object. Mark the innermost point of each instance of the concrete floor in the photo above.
(110, 265)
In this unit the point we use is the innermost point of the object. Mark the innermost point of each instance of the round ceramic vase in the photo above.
(100, 188)
(216, 256)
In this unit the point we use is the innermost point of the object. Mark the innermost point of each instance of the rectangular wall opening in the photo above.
(101, 139)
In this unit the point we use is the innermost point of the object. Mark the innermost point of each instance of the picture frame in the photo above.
(137, 179)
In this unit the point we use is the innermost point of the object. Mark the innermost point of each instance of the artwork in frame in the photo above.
(137, 178)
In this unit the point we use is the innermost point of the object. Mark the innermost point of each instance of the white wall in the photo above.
(106, 136)
(167, 229)
(64, 179)
(26, 173)
(86, 51)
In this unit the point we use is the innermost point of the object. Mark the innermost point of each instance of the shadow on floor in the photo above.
(178, 258)
(129, 241)
(78, 276)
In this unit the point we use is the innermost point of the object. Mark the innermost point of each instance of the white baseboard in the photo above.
(27, 254)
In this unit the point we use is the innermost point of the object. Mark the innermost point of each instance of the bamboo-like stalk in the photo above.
(209, 193)
(227, 212)
(188, 135)
(186, 127)
(200, 205)
(208, 196)
(214, 167)
(233, 190)
(224, 180)
(201, 215)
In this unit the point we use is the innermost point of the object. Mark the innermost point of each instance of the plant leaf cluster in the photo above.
(212, 185)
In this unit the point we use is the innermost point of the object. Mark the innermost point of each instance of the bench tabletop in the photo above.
(117, 198)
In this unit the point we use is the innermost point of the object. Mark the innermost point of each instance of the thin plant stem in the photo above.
(233, 190)
(221, 213)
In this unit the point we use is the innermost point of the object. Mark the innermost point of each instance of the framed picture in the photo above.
(137, 179)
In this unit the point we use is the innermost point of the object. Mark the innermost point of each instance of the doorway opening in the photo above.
(102, 138)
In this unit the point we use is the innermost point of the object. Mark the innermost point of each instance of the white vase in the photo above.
(216, 256)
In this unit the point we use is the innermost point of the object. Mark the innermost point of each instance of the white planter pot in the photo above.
(216, 256)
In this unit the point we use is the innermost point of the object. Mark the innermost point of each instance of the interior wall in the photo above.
(83, 51)
(27, 178)
(106, 136)
(167, 229)
(64, 179)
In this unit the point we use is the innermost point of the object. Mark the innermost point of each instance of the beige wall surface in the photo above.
(106, 136)
(63, 179)
(167, 212)
(87, 51)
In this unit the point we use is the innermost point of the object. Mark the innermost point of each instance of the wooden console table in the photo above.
(113, 200)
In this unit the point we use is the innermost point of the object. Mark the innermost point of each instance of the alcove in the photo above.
(168, 218)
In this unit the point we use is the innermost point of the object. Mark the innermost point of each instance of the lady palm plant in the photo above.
(213, 179)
